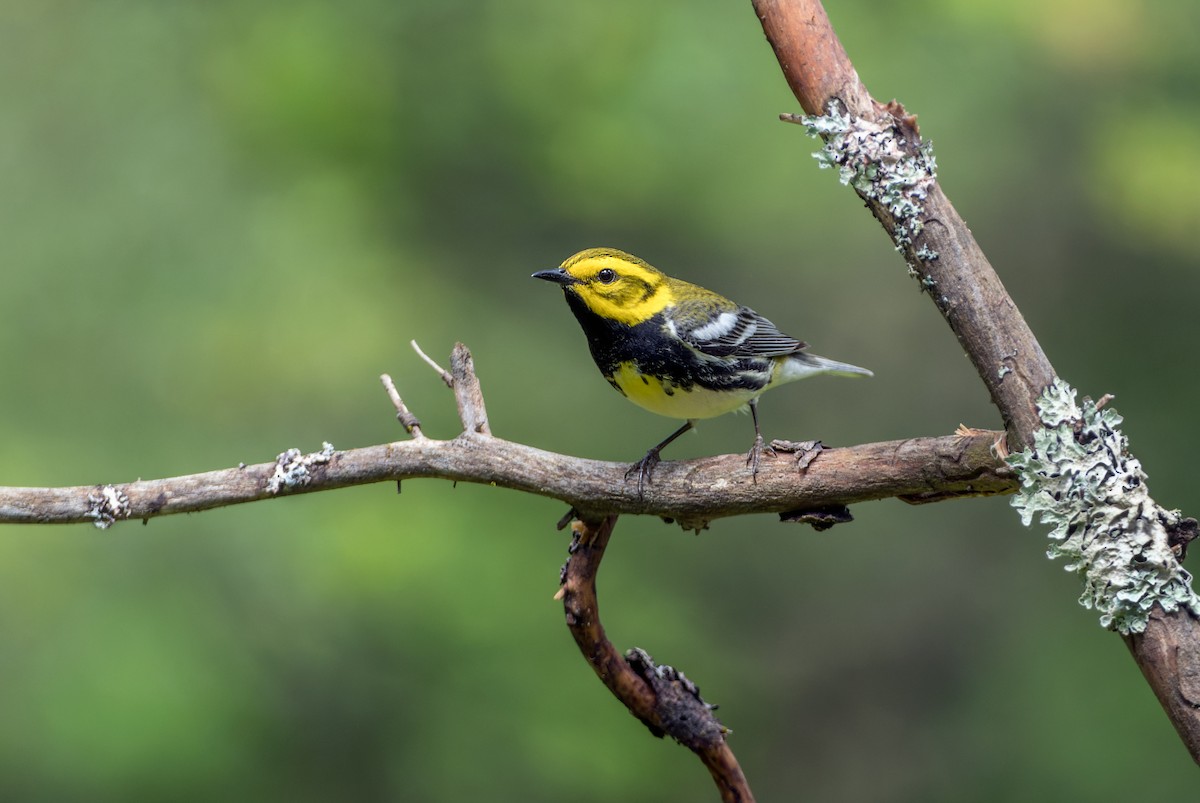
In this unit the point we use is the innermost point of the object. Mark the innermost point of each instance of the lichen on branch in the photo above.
(872, 157)
(1080, 478)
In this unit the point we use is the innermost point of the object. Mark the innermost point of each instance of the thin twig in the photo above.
(661, 697)
(445, 375)
(411, 424)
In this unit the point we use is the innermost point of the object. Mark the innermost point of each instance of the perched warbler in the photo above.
(678, 349)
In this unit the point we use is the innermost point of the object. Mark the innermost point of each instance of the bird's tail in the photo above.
(802, 364)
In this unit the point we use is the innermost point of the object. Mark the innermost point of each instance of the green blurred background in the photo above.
(222, 221)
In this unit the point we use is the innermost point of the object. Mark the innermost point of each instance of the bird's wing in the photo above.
(727, 330)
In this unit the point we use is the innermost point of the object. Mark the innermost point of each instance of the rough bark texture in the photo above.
(1168, 653)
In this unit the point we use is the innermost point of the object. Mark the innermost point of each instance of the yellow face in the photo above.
(616, 285)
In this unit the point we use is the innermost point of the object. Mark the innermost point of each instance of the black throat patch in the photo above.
(655, 351)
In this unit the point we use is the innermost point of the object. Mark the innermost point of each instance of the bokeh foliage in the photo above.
(223, 220)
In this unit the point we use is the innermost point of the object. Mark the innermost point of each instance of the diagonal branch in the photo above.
(943, 255)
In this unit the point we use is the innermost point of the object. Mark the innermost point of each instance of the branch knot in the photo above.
(682, 712)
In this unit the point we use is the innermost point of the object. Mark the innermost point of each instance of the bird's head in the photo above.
(612, 284)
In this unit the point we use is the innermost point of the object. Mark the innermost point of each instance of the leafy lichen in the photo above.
(1080, 479)
(292, 467)
(872, 157)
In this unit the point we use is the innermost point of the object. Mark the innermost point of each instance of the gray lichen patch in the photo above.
(106, 506)
(292, 469)
(872, 157)
(1080, 479)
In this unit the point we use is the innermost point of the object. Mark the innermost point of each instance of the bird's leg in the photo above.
(645, 466)
(759, 447)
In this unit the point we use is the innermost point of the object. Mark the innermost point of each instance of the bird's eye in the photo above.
(607, 276)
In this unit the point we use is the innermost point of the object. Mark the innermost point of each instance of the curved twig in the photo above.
(660, 696)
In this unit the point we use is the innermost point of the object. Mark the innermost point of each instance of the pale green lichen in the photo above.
(1080, 479)
(872, 158)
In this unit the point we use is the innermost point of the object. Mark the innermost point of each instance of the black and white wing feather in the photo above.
(731, 332)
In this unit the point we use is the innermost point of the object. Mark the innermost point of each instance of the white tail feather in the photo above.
(802, 365)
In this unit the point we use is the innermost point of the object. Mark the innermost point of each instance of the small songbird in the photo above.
(678, 349)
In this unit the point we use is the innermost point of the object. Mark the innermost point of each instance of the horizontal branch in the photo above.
(692, 492)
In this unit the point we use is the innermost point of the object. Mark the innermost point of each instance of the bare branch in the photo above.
(471, 410)
(1168, 654)
(692, 492)
(660, 696)
(411, 424)
(462, 380)
(445, 375)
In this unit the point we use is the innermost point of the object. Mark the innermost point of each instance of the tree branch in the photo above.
(660, 696)
(943, 255)
(411, 424)
(815, 487)
(951, 266)
(692, 492)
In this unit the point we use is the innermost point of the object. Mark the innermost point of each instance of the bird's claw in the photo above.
(755, 455)
(805, 451)
(644, 468)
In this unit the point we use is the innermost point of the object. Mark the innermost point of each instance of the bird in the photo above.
(678, 349)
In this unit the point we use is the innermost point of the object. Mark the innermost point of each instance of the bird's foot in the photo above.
(643, 469)
(805, 451)
(755, 455)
